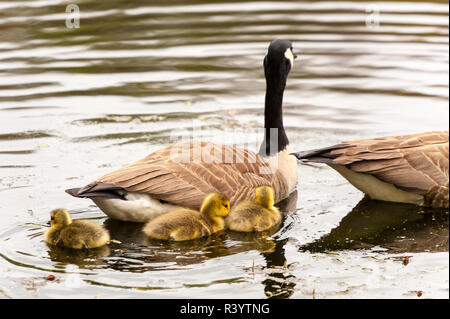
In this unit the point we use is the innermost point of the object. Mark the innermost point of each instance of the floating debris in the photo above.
(405, 261)
(51, 277)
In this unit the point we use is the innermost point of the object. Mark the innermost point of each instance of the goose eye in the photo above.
(225, 205)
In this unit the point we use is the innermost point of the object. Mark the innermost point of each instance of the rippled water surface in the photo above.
(77, 103)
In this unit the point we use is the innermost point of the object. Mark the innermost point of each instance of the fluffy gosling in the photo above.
(185, 224)
(76, 234)
(255, 216)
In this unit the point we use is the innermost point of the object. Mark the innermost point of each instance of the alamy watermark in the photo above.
(373, 17)
(194, 146)
(73, 16)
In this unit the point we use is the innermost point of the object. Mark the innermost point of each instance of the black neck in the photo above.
(273, 117)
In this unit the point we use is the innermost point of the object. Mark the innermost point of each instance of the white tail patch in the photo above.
(377, 189)
(138, 207)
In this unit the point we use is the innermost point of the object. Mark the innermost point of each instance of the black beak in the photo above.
(295, 56)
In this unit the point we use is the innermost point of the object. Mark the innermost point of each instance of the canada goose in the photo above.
(76, 234)
(182, 175)
(257, 215)
(406, 169)
(186, 224)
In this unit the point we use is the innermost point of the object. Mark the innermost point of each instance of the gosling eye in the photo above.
(225, 205)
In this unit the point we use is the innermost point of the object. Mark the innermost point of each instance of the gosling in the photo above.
(78, 234)
(255, 216)
(186, 224)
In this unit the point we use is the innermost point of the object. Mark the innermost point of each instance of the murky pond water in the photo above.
(77, 103)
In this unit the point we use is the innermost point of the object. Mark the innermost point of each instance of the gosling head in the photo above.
(59, 218)
(264, 196)
(215, 205)
(279, 59)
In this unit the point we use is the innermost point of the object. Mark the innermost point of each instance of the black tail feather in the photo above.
(96, 190)
(320, 155)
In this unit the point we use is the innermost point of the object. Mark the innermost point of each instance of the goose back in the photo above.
(184, 174)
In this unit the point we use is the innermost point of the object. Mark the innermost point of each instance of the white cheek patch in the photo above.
(290, 56)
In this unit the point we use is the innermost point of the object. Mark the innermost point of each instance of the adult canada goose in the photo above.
(407, 169)
(184, 174)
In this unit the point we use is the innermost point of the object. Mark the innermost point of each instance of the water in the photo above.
(78, 103)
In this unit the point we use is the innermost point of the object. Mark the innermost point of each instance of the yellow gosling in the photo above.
(257, 215)
(76, 234)
(186, 224)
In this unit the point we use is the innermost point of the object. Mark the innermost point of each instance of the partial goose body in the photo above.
(182, 175)
(407, 169)
(159, 183)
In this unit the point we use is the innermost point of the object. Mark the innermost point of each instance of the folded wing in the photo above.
(416, 163)
(184, 174)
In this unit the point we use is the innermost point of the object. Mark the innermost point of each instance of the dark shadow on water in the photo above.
(277, 284)
(83, 258)
(395, 227)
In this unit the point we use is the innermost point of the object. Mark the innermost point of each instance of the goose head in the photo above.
(279, 61)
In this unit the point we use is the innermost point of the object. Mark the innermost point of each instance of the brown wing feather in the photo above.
(184, 174)
(416, 163)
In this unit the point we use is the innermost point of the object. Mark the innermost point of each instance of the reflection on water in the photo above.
(277, 284)
(138, 253)
(83, 258)
(396, 227)
(77, 103)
